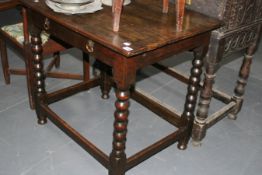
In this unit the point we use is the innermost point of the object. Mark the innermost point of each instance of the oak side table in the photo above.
(145, 36)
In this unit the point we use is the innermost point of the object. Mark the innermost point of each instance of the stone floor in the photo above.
(230, 148)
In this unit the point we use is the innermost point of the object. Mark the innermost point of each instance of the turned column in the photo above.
(214, 56)
(118, 155)
(117, 9)
(243, 76)
(124, 73)
(38, 72)
(192, 92)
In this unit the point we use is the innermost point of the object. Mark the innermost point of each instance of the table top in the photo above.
(143, 26)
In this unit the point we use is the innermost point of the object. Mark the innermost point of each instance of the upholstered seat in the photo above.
(16, 31)
(18, 36)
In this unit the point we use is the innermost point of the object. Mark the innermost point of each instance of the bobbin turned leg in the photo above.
(118, 155)
(124, 74)
(38, 72)
(243, 76)
(215, 55)
(191, 96)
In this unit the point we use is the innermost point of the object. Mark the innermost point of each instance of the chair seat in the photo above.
(16, 32)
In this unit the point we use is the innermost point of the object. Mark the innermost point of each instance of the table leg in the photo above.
(192, 92)
(243, 76)
(105, 80)
(39, 77)
(118, 155)
(215, 55)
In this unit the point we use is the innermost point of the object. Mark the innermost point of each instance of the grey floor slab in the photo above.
(230, 148)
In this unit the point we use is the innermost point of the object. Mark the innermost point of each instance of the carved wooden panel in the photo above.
(240, 17)
(234, 13)
(240, 40)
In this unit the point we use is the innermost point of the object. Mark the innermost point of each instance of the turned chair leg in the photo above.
(215, 54)
(4, 60)
(243, 77)
(165, 6)
(116, 9)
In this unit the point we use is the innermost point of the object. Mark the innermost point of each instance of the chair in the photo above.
(118, 4)
(18, 35)
(241, 30)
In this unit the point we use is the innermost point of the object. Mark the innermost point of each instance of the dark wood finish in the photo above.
(242, 29)
(50, 47)
(146, 36)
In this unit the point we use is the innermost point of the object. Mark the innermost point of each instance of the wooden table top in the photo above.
(143, 25)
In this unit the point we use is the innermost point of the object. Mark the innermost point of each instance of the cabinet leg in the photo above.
(118, 155)
(191, 97)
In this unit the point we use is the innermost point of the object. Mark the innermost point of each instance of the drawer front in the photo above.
(59, 31)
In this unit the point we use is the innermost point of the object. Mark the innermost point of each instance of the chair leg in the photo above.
(215, 55)
(243, 77)
(4, 60)
(117, 8)
(56, 56)
(165, 6)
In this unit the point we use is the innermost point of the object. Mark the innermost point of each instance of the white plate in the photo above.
(84, 8)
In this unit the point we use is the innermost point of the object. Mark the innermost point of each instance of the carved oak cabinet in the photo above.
(241, 30)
